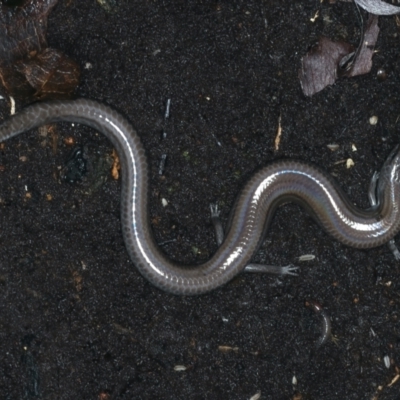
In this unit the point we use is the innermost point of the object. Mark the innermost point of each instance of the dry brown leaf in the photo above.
(28, 69)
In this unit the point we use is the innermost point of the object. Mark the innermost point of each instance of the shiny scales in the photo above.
(277, 183)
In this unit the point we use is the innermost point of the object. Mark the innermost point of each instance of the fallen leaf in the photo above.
(51, 73)
(363, 59)
(319, 66)
(328, 60)
(28, 68)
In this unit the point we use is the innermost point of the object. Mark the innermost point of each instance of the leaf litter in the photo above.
(29, 69)
(329, 60)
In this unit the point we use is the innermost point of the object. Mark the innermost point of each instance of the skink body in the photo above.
(277, 183)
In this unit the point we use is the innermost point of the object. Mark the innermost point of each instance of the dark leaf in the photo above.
(319, 66)
(51, 74)
(28, 69)
(363, 60)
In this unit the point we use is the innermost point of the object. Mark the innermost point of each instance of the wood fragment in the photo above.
(278, 134)
(227, 349)
(394, 380)
(116, 166)
(307, 257)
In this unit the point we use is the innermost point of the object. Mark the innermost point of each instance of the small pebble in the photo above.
(373, 120)
(381, 75)
(69, 141)
(349, 163)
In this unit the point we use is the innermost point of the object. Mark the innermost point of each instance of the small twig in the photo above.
(278, 134)
(166, 115)
(162, 164)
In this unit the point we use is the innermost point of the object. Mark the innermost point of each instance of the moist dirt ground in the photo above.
(78, 321)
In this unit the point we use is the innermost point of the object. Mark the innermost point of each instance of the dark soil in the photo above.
(77, 319)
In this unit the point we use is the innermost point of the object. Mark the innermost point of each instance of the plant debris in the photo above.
(378, 7)
(363, 58)
(51, 73)
(328, 60)
(319, 67)
(28, 68)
